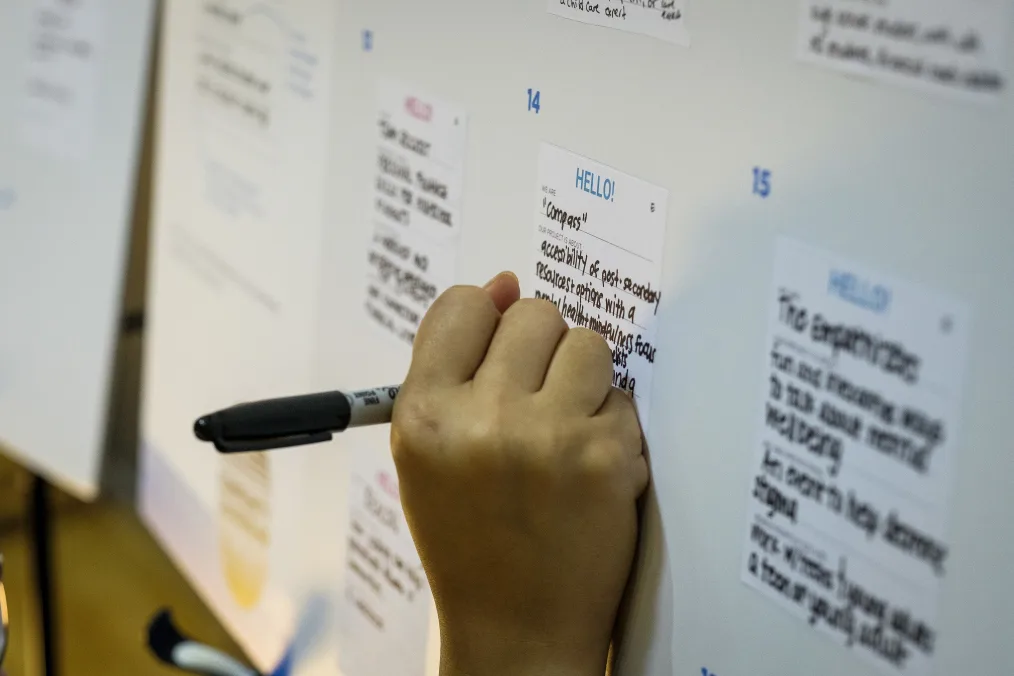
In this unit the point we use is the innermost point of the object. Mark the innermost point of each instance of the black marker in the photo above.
(175, 649)
(294, 421)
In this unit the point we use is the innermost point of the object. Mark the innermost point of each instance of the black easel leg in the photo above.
(42, 539)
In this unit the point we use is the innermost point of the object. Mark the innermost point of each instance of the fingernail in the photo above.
(493, 281)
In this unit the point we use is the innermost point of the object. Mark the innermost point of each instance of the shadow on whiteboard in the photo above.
(644, 629)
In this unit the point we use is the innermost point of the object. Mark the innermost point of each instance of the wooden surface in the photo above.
(111, 576)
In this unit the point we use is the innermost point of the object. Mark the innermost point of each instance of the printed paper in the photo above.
(386, 601)
(416, 207)
(241, 90)
(951, 47)
(62, 76)
(853, 462)
(599, 235)
(256, 119)
(255, 74)
(241, 173)
(662, 19)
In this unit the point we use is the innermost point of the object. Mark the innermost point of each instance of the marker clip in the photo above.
(267, 444)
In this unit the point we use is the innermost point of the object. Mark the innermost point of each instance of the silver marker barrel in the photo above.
(373, 406)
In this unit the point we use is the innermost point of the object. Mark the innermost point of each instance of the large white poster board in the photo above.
(73, 78)
(874, 197)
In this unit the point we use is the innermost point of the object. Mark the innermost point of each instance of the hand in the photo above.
(519, 468)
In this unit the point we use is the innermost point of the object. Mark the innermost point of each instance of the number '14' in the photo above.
(533, 100)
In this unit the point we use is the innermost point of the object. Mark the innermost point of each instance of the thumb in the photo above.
(504, 289)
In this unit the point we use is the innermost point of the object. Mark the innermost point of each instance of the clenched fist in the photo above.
(519, 467)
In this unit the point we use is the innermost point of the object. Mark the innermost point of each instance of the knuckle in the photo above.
(631, 438)
(619, 403)
(414, 426)
(591, 345)
(483, 433)
(547, 452)
(536, 310)
(625, 408)
(548, 441)
(605, 460)
(461, 298)
(625, 425)
(497, 435)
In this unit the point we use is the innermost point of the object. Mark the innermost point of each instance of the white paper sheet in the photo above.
(237, 229)
(242, 173)
(951, 47)
(854, 457)
(62, 76)
(416, 207)
(662, 19)
(386, 602)
(597, 256)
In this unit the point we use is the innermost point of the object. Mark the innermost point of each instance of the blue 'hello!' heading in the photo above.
(593, 184)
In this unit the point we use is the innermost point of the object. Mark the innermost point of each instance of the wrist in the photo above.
(494, 654)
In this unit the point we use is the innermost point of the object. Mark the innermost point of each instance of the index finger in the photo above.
(453, 337)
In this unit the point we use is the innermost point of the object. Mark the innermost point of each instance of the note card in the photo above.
(662, 19)
(416, 207)
(385, 607)
(858, 434)
(599, 235)
(951, 47)
(62, 76)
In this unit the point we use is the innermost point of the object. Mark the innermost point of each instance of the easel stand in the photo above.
(41, 523)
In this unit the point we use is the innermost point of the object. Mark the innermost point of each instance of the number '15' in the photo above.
(761, 182)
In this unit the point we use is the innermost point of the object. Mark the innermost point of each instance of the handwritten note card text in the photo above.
(599, 235)
(857, 438)
(953, 47)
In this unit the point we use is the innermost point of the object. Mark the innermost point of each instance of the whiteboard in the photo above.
(900, 182)
(74, 80)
